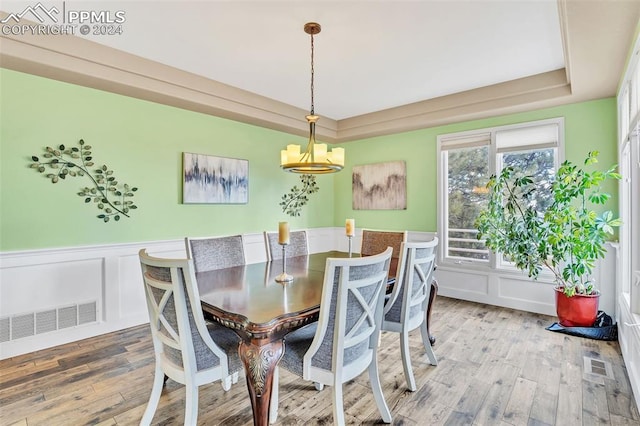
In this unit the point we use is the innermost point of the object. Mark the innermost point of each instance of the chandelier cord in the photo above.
(312, 73)
(316, 159)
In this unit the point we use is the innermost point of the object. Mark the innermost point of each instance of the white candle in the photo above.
(350, 227)
(337, 156)
(283, 233)
(320, 152)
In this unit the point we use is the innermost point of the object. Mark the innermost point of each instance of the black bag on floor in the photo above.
(602, 329)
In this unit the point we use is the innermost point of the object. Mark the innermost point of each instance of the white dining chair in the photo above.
(407, 306)
(187, 350)
(344, 341)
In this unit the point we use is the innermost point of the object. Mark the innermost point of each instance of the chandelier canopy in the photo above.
(316, 159)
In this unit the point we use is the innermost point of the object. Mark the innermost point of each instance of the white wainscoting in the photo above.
(629, 338)
(40, 281)
(40, 288)
(513, 289)
(37, 283)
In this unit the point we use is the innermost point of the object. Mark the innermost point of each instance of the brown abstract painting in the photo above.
(380, 186)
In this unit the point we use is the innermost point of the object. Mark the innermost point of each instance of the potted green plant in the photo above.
(565, 237)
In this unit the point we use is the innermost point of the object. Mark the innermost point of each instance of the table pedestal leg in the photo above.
(259, 362)
(432, 298)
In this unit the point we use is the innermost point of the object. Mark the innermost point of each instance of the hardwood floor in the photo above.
(496, 367)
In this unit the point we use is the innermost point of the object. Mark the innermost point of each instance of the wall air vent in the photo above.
(30, 324)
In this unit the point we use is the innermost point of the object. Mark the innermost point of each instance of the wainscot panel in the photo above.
(527, 295)
(55, 296)
(513, 289)
(629, 338)
(463, 285)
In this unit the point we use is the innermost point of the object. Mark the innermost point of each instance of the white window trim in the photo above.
(629, 149)
(451, 141)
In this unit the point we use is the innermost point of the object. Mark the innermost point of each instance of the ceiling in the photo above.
(380, 66)
(369, 56)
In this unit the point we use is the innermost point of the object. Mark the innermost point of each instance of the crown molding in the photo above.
(85, 63)
(511, 96)
(79, 61)
(589, 73)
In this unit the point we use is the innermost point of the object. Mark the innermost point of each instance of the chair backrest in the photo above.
(215, 253)
(408, 301)
(374, 242)
(350, 316)
(298, 245)
(181, 340)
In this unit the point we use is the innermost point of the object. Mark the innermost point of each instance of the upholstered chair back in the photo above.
(298, 245)
(215, 253)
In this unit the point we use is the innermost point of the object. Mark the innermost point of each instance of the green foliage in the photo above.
(293, 202)
(468, 169)
(567, 237)
(112, 199)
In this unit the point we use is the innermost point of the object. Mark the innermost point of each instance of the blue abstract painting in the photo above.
(215, 180)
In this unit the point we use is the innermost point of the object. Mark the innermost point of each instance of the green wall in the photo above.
(588, 126)
(143, 143)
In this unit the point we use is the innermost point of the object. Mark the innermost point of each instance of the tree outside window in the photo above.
(467, 161)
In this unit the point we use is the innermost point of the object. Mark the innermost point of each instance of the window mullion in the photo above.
(494, 163)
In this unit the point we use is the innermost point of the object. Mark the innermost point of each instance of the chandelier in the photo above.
(316, 159)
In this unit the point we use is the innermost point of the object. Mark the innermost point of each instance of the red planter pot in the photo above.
(577, 311)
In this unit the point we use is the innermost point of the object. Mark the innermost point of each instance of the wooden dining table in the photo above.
(248, 300)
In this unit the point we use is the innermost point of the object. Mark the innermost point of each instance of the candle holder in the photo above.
(284, 277)
(350, 228)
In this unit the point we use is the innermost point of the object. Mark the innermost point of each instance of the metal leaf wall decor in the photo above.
(297, 198)
(112, 198)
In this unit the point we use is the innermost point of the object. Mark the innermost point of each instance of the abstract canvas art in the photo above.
(214, 180)
(380, 186)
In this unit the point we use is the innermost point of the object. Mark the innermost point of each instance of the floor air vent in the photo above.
(25, 325)
(597, 367)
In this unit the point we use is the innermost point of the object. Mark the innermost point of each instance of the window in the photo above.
(468, 159)
(625, 213)
(629, 280)
(628, 287)
(467, 165)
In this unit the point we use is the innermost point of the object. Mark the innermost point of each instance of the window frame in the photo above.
(451, 141)
(629, 209)
(628, 100)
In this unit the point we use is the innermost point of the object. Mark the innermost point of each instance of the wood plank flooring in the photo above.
(496, 367)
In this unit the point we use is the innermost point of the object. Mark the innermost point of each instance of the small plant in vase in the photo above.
(565, 238)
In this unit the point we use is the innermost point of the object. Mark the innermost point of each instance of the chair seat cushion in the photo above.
(296, 344)
(228, 341)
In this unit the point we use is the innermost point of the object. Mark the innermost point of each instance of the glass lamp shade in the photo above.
(316, 159)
